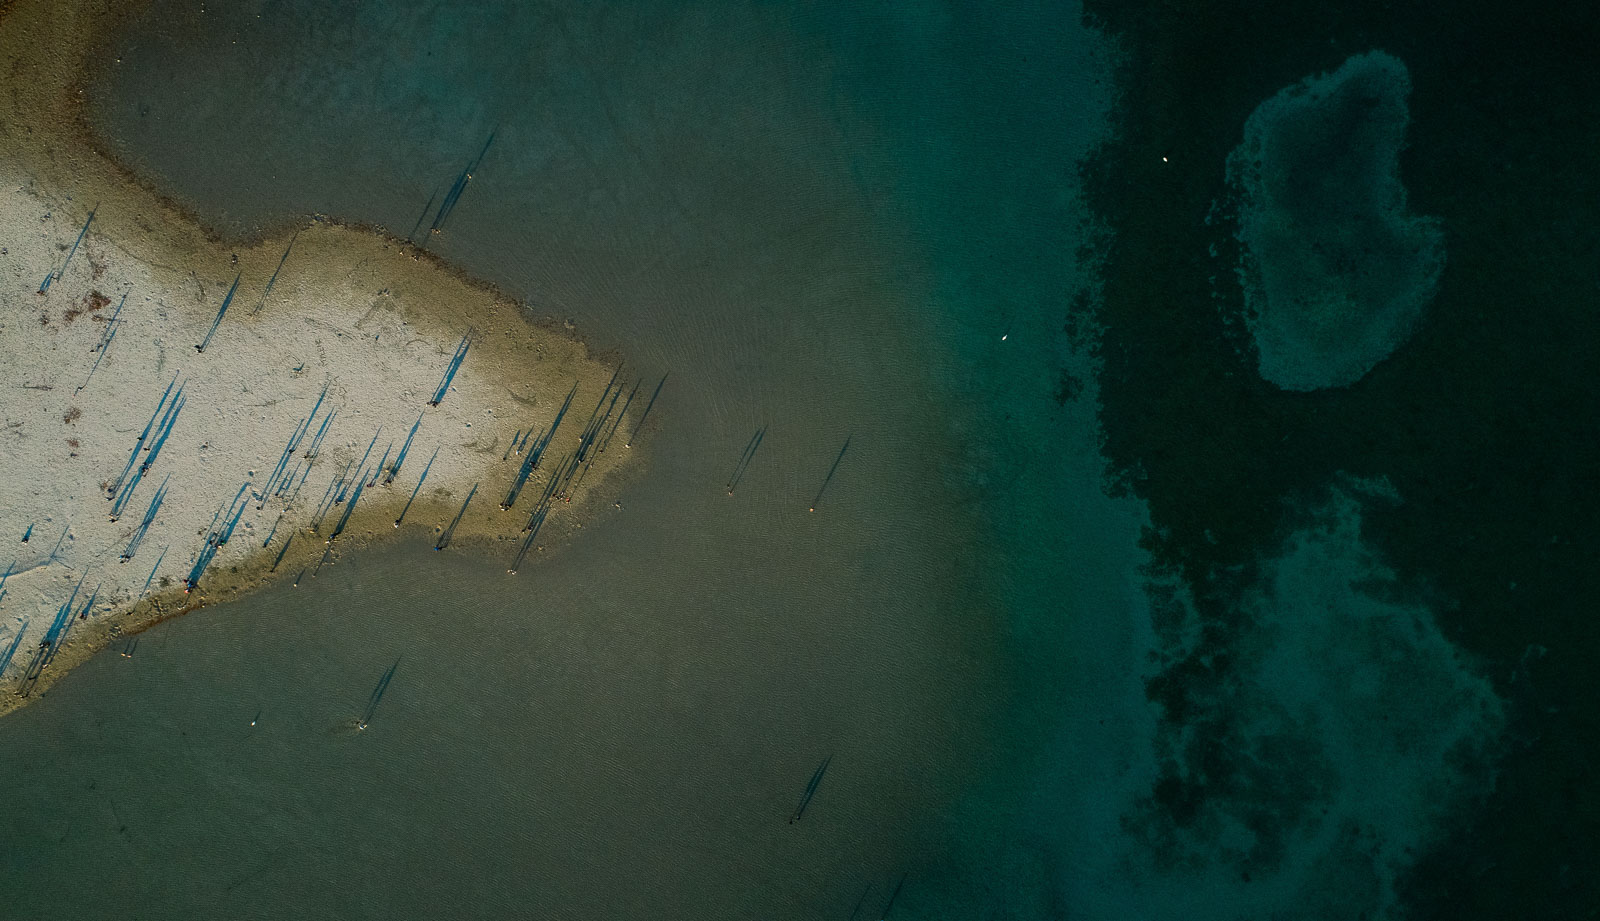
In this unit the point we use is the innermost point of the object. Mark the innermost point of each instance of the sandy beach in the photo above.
(162, 451)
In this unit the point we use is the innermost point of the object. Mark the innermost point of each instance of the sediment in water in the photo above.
(353, 312)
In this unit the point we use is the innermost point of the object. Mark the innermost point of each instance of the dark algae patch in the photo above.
(1484, 422)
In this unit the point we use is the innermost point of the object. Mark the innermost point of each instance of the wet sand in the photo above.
(96, 362)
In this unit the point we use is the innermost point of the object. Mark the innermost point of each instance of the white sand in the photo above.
(351, 311)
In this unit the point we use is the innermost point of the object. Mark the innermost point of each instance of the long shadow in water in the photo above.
(860, 902)
(646, 414)
(423, 216)
(377, 695)
(811, 789)
(831, 471)
(745, 459)
(889, 906)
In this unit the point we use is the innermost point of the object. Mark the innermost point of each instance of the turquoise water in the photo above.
(808, 222)
(838, 221)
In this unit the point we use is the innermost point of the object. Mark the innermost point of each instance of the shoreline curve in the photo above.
(333, 343)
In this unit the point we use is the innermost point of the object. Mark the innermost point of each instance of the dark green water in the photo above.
(838, 221)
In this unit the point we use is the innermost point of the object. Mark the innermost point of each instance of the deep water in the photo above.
(838, 221)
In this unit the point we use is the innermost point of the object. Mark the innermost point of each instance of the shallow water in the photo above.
(555, 747)
(779, 207)
(835, 221)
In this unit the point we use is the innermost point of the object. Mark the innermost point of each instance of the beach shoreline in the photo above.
(234, 412)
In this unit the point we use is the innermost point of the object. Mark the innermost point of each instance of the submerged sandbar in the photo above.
(135, 462)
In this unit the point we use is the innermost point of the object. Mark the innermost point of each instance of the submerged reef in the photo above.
(1336, 272)
(1335, 743)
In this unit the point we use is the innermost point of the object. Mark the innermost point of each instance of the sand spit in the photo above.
(119, 436)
